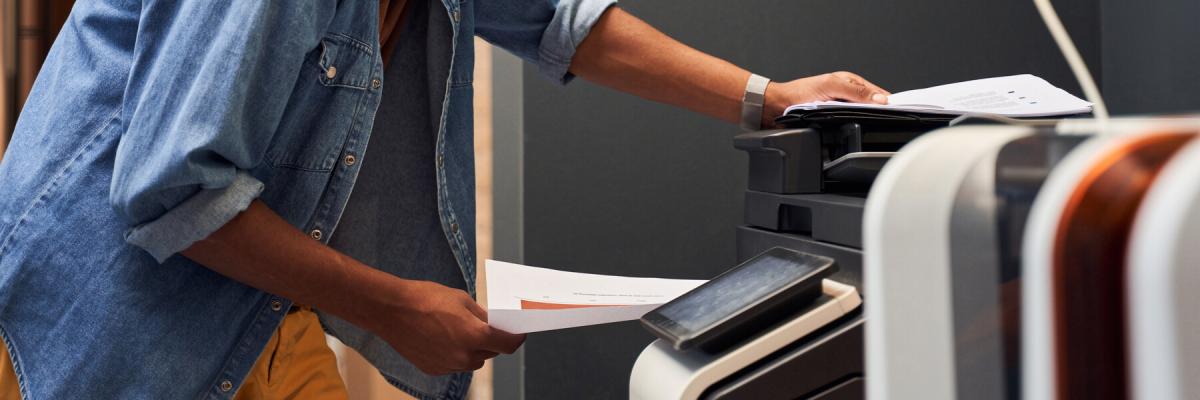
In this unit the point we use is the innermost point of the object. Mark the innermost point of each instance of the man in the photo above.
(189, 180)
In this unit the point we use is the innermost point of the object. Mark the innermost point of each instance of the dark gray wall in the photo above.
(615, 185)
(1151, 53)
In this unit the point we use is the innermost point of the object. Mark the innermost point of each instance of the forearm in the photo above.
(626, 54)
(437, 328)
(260, 249)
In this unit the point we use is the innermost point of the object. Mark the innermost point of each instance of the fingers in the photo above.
(492, 339)
(499, 341)
(851, 87)
(856, 80)
(462, 362)
(469, 340)
(475, 309)
(471, 362)
(477, 365)
(433, 367)
(477, 359)
(875, 88)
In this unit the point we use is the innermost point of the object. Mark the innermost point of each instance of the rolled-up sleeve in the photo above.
(543, 32)
(207, 89)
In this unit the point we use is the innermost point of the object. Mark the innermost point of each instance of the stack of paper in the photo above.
(524, 299)
(1018, 96)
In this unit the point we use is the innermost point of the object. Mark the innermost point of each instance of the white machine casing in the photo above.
(1162, 296)
(910, 337)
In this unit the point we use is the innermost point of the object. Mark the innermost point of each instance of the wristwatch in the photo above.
(752, 102)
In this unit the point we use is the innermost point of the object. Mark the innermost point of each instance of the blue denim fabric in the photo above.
(153, 123)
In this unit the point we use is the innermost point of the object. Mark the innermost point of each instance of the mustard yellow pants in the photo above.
(297, 364)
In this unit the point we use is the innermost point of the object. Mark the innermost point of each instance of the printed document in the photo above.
(1018, 96)
(523, 299)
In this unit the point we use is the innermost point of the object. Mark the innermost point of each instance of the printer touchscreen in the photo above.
(760, 291)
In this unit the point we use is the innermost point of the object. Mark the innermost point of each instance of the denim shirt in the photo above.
(154, 123)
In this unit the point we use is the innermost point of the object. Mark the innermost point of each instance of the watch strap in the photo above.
(752, 102)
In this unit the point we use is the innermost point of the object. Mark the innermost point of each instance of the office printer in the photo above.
(1035, 259)
(806, 192)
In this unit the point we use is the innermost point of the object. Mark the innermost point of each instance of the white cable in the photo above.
(1078, 66)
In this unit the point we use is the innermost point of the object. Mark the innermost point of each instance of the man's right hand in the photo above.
(440, 329)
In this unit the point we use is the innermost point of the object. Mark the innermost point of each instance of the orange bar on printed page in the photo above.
(537, 305)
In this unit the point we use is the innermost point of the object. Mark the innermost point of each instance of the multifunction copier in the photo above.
(807, 190)
(1006, 259)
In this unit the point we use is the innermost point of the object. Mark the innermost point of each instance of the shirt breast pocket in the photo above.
(324, 106)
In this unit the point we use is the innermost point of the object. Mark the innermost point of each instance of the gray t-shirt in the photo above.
(394, 207)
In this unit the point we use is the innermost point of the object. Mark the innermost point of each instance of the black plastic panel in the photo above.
(809, 367)
(825, 217)
(783, 160)
(851, 389)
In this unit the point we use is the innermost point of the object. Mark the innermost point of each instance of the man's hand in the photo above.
(842, 85)
(442, 330)
(438, 329)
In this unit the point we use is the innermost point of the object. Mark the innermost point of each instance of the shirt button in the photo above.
(454, 228)
(439, 160)
(331, 72)
(376, 83)
(276, 305)
(455, 15)
(349, 160)
(315, 234)
(226, 385)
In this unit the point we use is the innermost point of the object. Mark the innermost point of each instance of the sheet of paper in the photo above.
(523, 299)
(1012, 96)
